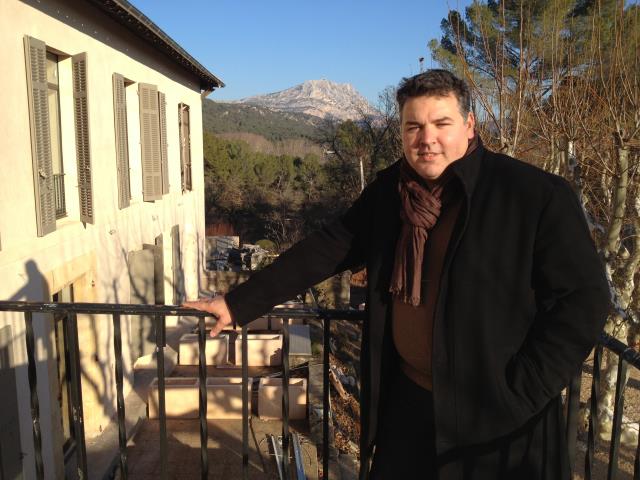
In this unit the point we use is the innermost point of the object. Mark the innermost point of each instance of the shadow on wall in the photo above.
(10, 445)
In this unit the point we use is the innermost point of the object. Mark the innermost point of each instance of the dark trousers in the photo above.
(405, 444)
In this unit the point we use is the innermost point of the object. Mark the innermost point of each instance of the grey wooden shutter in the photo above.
(150, 143)
(83, 150)
(162, 106)
(185, 146)
(36, 63)
(122, 140)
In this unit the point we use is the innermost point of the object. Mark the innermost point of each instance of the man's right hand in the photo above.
(215, 306)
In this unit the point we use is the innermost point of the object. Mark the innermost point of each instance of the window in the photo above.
(150, 143)
(122, 140)
(185, 146)
(53, 95)
(44, 121)
(153, 140)
(162, 104)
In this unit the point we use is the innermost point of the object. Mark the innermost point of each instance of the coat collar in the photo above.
(467, 169)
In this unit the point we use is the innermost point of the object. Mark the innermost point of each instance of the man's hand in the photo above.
(215, 306)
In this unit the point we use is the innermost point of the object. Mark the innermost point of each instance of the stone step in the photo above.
(270, 398)
(215, 350)
(182, 398)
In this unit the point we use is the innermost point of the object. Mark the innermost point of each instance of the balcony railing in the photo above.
(626, 355)
(58, 188)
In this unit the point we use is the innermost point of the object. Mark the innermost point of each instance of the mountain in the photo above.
(228, 118)
(320, 98)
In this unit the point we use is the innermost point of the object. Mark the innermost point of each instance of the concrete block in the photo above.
(264, 349)
(270, 398)
(224, 397)
(215, 350)
(180, 398)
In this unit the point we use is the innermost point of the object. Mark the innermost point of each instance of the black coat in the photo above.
(523, 296)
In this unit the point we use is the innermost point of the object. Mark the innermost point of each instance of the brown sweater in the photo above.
(413, 326)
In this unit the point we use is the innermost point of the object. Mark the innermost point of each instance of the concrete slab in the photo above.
(270, 393)
(224, 450)
(264, 349)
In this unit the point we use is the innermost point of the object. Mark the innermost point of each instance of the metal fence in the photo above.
(627, 356)
(58, 185)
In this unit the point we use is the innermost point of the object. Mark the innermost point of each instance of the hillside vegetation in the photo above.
(222, 118)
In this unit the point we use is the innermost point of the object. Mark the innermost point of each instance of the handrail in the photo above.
(627, 356)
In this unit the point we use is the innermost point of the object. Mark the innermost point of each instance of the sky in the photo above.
(257, 47)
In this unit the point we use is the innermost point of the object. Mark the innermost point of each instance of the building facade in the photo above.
(101, 200)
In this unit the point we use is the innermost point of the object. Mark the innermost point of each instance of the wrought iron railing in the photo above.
(58, 188)
(627, 356)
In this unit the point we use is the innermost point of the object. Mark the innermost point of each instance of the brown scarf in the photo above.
(419, 213)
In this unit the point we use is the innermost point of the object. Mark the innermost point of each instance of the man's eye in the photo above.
(440, 125)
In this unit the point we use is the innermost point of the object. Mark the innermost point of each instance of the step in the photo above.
(263, 349)
(224, 397)
(182, 398)
(270, 398)
(215, 350)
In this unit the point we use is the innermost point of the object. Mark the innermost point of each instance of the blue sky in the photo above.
(264, 46)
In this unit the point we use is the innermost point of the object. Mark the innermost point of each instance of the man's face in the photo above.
(434, 134)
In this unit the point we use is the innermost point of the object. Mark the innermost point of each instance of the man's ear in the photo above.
(471, 123)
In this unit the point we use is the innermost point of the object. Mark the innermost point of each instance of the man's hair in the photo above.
(434, 83)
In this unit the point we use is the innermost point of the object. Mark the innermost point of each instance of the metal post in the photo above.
(593, 417)
(33, 389)
(285, 397)
(636, 463)
(325, 397)
(122, 432)
(76, 397)
(612, 472)
(202, 372)
(277, 454)
(160, 343)
(245, 404)
(297, 454)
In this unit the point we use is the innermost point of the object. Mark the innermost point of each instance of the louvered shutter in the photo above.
(36, 63)
(83, 150)
(162, 106)
(122, 140)
(150, 143)
(185, 146)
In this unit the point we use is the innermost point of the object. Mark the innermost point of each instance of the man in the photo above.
(484, 296)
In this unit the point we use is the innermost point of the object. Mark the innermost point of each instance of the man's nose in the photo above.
(426, 136)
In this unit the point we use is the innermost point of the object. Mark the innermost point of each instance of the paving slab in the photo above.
(224, 450)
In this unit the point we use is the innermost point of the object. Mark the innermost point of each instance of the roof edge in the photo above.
(134, 20)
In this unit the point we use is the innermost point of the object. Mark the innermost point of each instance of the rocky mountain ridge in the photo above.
(320, 98)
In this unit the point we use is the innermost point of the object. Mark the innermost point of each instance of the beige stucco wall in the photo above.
(91, 257)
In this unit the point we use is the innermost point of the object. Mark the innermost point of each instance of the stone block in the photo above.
(224, 397)
(180, 398)
(215, 350)
(264, 349)
(270, 398)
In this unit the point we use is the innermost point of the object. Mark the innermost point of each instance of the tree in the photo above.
(557, 82)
